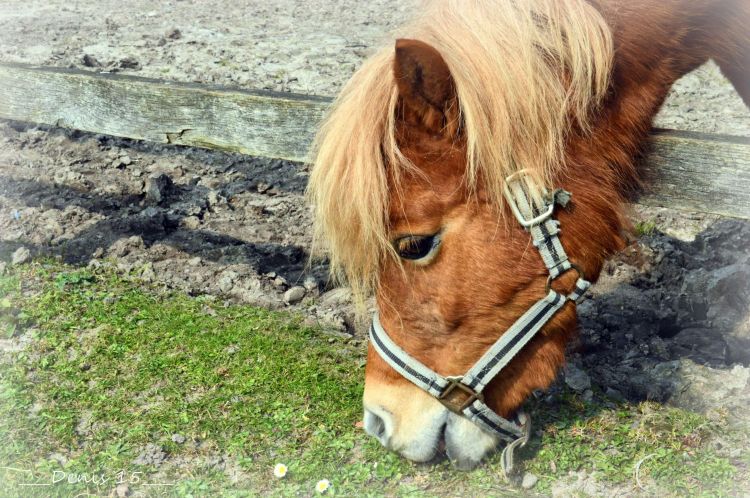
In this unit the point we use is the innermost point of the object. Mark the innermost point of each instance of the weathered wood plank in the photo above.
(686, 170)
(698, 172)
(251, 122)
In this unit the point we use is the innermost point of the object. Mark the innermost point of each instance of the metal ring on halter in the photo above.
(514, 207)
(550, 279)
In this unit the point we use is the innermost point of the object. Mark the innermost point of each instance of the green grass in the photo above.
(113, 366)
(646, 227)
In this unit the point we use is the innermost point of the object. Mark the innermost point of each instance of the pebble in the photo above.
(310, 284)
(20, 256)
(336, 297)
(90, 61)
(614, 394)
(214, 198)
(191, 222)
(577, 379)
(157, 187)
(3, 265)
(226, 281)
(529, 480)
(294, 295)
(178, 438)
(122, 490)
(129, 63)
(279, 282)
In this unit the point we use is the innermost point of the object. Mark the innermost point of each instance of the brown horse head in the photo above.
(407, 185)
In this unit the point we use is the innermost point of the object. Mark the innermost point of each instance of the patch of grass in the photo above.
(114, 370)
(670, 444)
(646, 227)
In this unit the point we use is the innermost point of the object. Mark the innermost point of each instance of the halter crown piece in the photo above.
(462, 394)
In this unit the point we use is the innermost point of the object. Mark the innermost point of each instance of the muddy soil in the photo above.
(674, 304)
(283, 45)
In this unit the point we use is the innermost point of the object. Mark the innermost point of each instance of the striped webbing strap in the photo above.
(463, 394)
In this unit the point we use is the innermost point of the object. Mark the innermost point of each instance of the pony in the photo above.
(411, 168)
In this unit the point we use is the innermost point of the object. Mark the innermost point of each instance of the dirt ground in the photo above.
(285, 45)
(669, 319)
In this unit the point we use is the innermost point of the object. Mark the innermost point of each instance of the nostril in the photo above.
(377, 425)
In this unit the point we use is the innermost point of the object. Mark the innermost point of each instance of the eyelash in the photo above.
(417, 248)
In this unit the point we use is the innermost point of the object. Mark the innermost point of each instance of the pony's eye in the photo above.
(417, 247)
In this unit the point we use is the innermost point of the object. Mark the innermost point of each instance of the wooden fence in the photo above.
(692, 171)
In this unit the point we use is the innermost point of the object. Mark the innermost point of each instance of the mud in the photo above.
(237, 227)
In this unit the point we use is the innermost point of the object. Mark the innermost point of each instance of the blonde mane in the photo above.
(525, 71)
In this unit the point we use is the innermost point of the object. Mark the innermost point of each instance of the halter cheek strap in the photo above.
(463, 394)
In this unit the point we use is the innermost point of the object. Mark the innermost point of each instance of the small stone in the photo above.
(178, 438)
(191, 222)
(294, 295)
(3, 265)
(174, 34)
(126, 161)
(529, 480)
(196, 261)
(98, 253)
(310, 284)
(214, 198)
(90, 61)
(226, 281)
(158, 186)
(129, 63)
(614, 394)
(122, 490)
(20, 256)
(279, 282)
(336, 297)
(148, 274)
(263, 187)
(577, 379)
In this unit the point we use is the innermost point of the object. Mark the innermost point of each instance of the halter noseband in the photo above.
(462, 394)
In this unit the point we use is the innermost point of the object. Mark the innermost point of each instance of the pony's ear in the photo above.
(425, 85)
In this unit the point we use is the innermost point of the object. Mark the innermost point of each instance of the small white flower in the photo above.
(279, 470)
(322, 486)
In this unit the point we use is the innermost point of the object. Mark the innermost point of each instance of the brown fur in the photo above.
(487, 274)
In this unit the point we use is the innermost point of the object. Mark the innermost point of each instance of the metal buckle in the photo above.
(550, 279)
(452, 396)
(514, 207)
(507, 457)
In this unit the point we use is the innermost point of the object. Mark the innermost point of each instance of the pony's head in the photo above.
(407, 187)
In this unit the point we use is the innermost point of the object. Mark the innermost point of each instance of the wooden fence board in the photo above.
(251, 122)
(692, 171)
